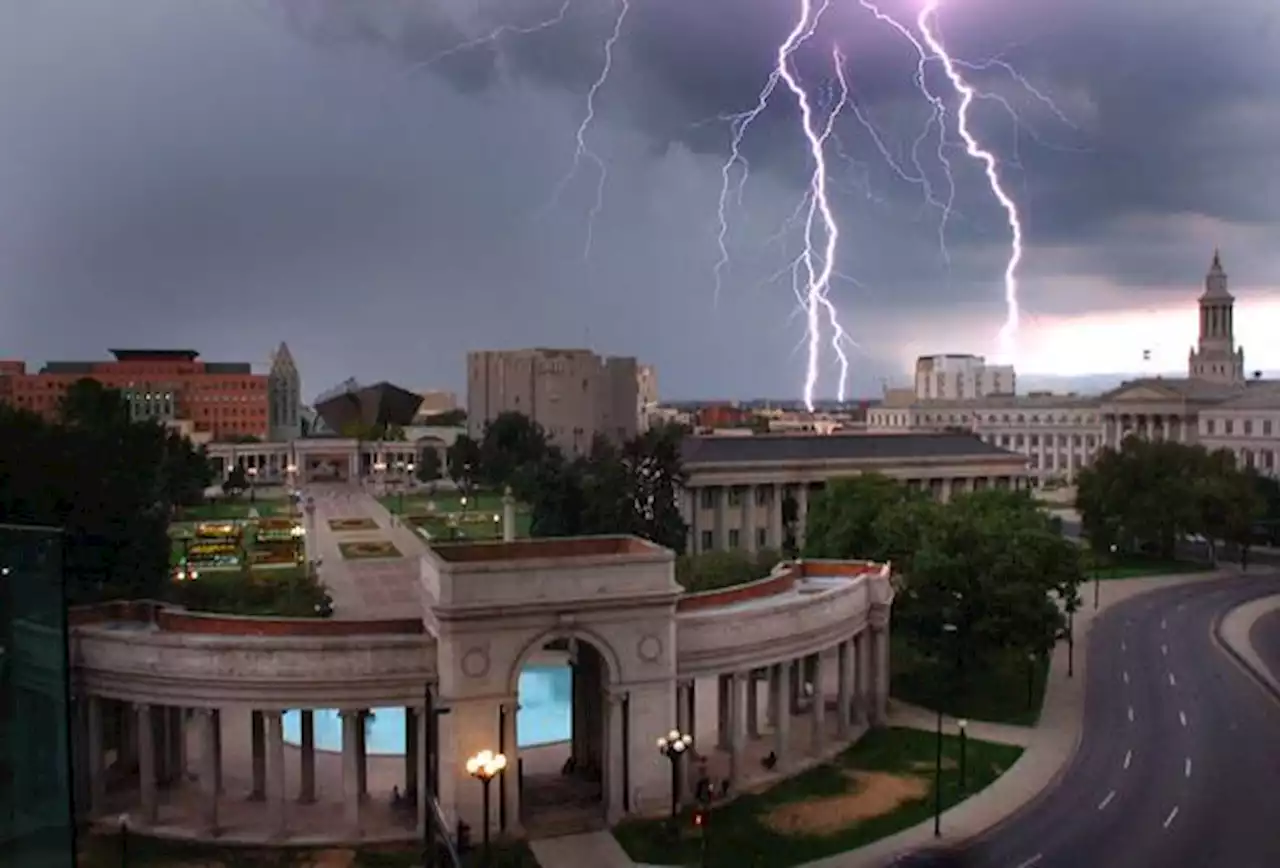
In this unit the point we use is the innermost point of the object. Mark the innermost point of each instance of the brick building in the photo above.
(207, 400)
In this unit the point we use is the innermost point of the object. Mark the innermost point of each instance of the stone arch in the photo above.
(612, 663)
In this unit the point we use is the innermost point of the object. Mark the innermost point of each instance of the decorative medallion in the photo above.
(649, 648)
(475, 663)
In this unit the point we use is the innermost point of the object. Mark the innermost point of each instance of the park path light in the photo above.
(484, 767)
(937, 766)
(673, 746)
(962, 725)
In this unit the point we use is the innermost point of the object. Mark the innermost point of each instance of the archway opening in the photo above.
(560, 728)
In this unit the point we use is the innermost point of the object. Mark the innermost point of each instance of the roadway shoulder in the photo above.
(1233, 632)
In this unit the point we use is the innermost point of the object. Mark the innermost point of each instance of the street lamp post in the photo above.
(1031, 679)
(124, 840)
(253, 479)
(673, 746)
(937, 767)
(964, 739)
(1097, 579)
(1071, 642)
(484, 767)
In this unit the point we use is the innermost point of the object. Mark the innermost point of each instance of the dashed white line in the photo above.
(1186, 767)
(1123, 646)
(1163, 624)
(1128, 758)
(1173, 682)
(1126, 678)
(1102, 806)
(1032, 861)
(1168, 821)
(1182, 716)
(1131, 714)
(1164, 649)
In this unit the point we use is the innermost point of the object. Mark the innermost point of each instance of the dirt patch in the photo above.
(873, 794)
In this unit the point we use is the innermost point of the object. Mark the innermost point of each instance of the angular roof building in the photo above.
(353, 405)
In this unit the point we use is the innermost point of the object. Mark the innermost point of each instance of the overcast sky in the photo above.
(226, 174)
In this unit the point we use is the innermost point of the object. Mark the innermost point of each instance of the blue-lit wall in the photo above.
(36, 827)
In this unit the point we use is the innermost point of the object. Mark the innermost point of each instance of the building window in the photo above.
(708, 496)
(1248, 427)
(735, 496)
(762, 537)
(708, 541)
(764, 494)
(734, 541)
(1228, 426)
(1266, 427)
(1208, 426)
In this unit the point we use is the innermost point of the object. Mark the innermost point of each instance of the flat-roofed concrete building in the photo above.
(573, 394)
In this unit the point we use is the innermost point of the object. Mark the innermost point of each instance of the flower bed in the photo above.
(358, 551)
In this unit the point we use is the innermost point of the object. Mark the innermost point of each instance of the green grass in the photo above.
(1136, 567)
(740, 837)
(287, 592)
(996, 691)
(445, 501)
(233, 509)
(368, 550)
(104, 851)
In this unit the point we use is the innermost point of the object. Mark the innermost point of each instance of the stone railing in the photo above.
(724, 638)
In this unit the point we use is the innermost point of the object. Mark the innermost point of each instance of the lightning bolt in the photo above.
(582, 150)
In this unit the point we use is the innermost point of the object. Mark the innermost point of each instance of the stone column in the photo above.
(753, 705)
(512, 787)
(818, 708)
(178, 744)
(307, 756)
(780, 699)
(410, 752)
(882, 675)
(775, 517)
(802, 512)
(217, 749)
(748, 520)
(737, 729)
(508, 516)
(352, 723)
(861, 677)
(720, 539)
(209, 768)
(97, 772)
(773, 701)
(362, 753)
(145, 728)
(844, 690)
(724, 714)
(683, 723)
(258, 749)
(422, 773)
(275, 772)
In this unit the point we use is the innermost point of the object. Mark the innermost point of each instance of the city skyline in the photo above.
(384, 219)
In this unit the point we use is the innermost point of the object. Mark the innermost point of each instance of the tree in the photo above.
(558, 503)
(447, 419)
(656, 476)
(429, 467)
(842, 521)
(721, 569)
(513, 445)
(790, 525)
(463, 458)
(89, 404)
(237, 480)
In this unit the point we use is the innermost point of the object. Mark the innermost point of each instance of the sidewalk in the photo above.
(1234, 632)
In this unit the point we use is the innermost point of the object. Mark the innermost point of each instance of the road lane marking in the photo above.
(1182, 716)
(1034, 860)
(1131, 714)
(1123, 646)
(1103, 804)
(1128, 758)
(1186, 767)
(1173, 682)
(1126, 678)
(1168, 821)
(1164, 649)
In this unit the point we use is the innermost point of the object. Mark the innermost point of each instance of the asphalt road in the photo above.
(1180, 759)
(1265, 638)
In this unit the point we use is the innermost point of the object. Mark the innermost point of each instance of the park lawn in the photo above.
(741, 835)
(997, 692)
(445, 501)
(269, 591)
(104, 851)
(1136, 567)
(232, 509)
(479, 530)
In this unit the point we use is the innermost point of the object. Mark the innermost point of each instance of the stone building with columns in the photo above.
(1218, 404)
(736, 487)
(181, 719)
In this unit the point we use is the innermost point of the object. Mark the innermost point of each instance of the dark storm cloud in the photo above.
(342, 174)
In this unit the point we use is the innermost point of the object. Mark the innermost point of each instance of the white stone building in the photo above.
(1216, 404)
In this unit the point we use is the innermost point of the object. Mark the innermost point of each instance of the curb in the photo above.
(1268, 686)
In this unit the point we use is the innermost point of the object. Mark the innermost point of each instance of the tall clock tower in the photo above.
(1216, 358)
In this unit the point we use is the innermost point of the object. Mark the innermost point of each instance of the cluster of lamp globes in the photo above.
(486, 765)
(674, 744)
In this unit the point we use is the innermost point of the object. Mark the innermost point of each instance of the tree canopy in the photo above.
(989, 563)
(1147, 495)
(429, 467)
(110, 483)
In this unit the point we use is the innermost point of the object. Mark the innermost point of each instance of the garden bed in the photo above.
(368, 550)
(346, 525)
(282, 591)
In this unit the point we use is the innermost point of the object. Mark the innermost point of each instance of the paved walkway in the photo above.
(361, 589)
(1235, 630)
(589, 850)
